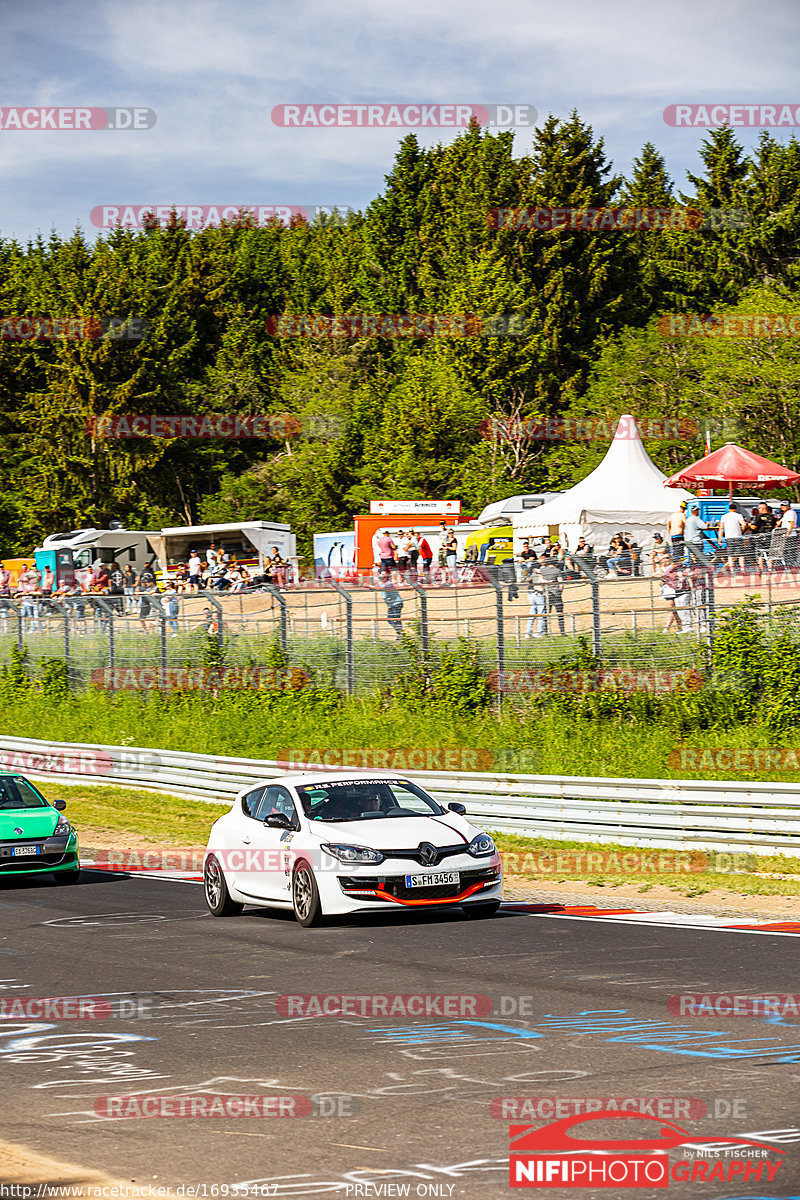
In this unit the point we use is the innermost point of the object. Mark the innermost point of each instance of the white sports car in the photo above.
(327, 845)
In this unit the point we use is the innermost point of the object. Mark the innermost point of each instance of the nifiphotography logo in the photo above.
(552, 1157)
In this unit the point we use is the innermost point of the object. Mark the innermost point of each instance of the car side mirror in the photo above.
(277, 821)
(461, 809)
(59, 804)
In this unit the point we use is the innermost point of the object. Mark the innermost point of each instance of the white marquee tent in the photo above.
(625, 493)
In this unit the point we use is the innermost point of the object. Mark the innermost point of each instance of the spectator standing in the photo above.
(731, 528)
(116, 586)
(762, 524)
(47, 582)
(171, 607)
(128, 589)
(195, 571)
(537, 604)
(386, 549)
(5, 581)
(788, 524)
(451, 551)
(211, 557)
(394, 608)
(426, 554)
(278, 566)
(526, 561)
(413, 552)
(147, 586)
(676, 527)
(551, 574)
(693, 529)
(668, 590)
(403, 552)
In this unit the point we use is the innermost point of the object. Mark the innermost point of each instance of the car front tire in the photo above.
(67, 877)
(486, 909)
(215, 890)
(305, 896)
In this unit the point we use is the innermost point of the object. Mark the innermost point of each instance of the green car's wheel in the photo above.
(215, 890)
(67, 877)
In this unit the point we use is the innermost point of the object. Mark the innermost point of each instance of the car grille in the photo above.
(395, 885)
(51, 857)
(414, 855)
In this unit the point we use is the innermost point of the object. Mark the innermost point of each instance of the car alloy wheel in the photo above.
(305, 896)
(216, 891)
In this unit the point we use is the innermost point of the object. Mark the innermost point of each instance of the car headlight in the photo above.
(63, 828)
(352, 854)
(481, 846)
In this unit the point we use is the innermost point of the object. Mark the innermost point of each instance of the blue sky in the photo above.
(213, 72)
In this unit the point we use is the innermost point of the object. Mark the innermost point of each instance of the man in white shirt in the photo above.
(693, 529)
(786, 551)
(195, 570)
(731, 529)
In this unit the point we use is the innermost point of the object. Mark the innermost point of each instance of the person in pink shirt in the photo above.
(386, 550)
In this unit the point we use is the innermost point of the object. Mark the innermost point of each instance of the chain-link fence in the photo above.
(357, 636)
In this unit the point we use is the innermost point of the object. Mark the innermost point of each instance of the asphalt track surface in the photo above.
(410, 1096)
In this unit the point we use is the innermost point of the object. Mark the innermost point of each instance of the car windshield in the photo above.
(17, 793)
(366, 800)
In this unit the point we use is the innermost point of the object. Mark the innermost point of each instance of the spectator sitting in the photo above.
(620, 561)
(658, 550)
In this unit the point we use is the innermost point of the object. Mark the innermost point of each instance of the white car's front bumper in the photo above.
(352, 888)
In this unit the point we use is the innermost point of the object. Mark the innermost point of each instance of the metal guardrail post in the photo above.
(218, 606)
(597, 641)
(711, 609)
(282, 619)
(497, 584)
(423, 617)
(65, 614)
(9, 604)
(349, 657)
(105, 607)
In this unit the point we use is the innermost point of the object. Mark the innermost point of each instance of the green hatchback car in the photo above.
(35, 839)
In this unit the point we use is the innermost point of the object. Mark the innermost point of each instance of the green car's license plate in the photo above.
(26, 851)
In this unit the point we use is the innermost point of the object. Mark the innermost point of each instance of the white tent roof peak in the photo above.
(627, 486)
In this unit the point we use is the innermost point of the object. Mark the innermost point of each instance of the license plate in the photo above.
(435, 879)
(27, 851)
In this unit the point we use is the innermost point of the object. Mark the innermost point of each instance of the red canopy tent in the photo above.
(736, 467)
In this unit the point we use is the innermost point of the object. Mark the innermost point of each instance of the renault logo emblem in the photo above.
(18, 830)
(428, 854)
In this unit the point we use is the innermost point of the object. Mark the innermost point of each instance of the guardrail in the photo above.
(763, 818)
